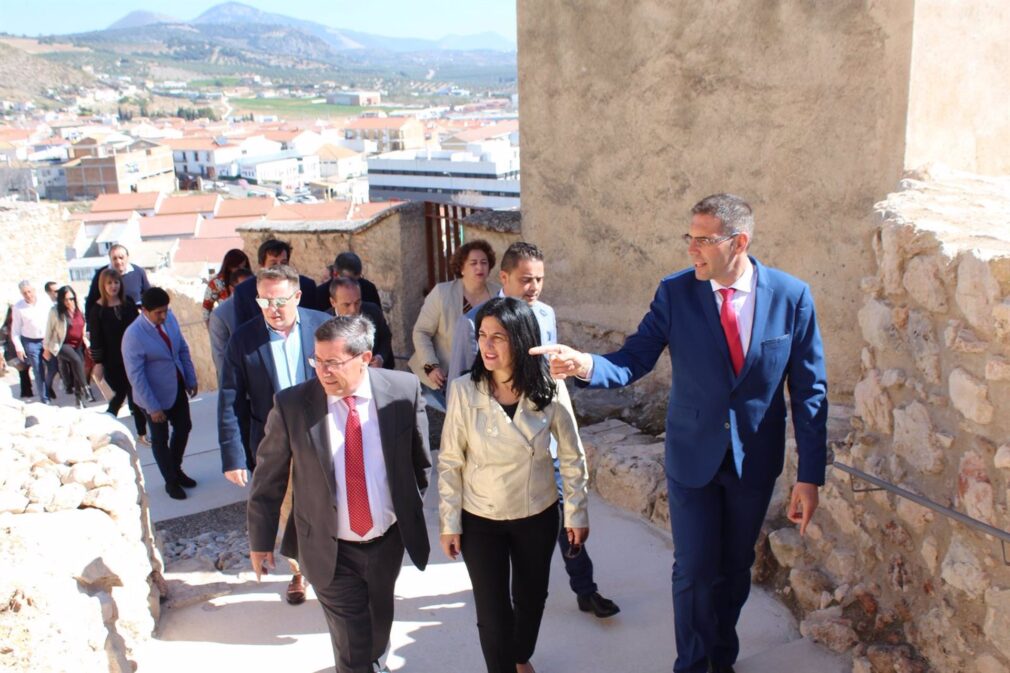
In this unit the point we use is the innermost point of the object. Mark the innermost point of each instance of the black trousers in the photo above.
(125, 394)
(168, 451)
(508, 621)
(74, 357)
(358, 602)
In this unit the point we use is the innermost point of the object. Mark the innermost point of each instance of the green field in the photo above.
(293, 108)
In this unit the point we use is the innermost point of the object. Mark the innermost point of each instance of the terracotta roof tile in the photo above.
(202, 203)
(131, 201)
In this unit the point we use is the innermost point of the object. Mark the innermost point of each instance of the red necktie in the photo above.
(164, 337)
(359, 513)
(732, 329)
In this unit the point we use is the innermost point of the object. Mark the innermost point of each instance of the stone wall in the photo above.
(391, 247)
(80, 575)
(35, 236)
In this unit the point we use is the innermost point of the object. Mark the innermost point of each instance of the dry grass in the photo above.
(30, 46)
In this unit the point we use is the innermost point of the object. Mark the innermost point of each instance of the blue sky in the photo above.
(393, 18)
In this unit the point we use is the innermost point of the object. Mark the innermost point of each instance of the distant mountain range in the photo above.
(237, 13)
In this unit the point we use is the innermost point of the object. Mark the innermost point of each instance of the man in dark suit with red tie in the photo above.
(355, 441)
(738, 332)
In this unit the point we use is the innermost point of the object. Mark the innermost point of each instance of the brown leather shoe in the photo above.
(296, 590)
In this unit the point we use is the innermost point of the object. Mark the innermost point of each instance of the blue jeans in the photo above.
(580, 568)
(33, 352)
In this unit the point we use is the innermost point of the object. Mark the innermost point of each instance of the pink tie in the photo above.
(359, 513)
(732, 329)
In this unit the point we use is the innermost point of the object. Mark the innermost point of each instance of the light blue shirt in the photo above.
(287, 355)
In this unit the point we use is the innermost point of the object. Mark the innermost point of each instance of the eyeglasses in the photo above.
(705, 241)
(331, 365)
(279, 302)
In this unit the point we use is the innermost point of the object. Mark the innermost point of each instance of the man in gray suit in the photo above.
(355, 441)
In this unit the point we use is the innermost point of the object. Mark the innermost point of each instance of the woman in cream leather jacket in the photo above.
(497, 494)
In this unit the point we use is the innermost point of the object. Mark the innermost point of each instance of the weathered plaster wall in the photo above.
(957, 110)
(633, 111)
(34, 237)
(391, 247)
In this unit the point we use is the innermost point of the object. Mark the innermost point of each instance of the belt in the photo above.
(366, 543)
(24, 338)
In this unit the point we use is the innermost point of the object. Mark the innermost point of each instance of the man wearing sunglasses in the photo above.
(738, 332)
(265, 356)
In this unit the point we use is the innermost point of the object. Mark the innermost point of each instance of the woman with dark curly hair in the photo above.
(471, 265)
(497, 494)
(217, 287)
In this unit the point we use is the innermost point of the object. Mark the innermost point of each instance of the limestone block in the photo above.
(916, 517)
(629, 476)
(862, 665)
(962, 570)
(84, 474)
(843, 565)
(787, 546)
(930, 553)
(970, 397)
(923, 283)
(893, 237)
(876, 323)
(13, 501)
(807, 585)
(962, 340)
(68, 496)
(873, 404)
(1001, 320)
(997, 369)
(829, 628)
(866, 359)
(43, 488)
(977, 293)
(1002, 459)
(893, 378)
(922, 341)
(997, 619)
(974, 490)
(915, 440)
(70, 451)
(987, 663)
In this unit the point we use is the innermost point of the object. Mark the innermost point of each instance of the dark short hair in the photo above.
(154, 298)
(462, 252)
(49, 284)
(735, 214)
(238, 275)
(520, 250)
(530, 375)
(348, 261)
(272, 246)
(357, 331)
(343, 281)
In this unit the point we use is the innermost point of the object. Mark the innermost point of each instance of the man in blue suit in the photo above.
(265, 356)
(738, 332)
(271, 253)
(161, 373)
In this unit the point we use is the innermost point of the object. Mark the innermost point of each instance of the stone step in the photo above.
(797, 656)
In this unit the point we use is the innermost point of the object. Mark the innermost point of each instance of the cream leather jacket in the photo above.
(501, 468)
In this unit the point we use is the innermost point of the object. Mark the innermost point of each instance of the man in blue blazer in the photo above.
(738, 332)
(161, 373)
(265, 355)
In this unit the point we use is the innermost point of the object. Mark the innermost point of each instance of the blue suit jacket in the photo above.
(151, 367)
(710, 408)
(249, 383)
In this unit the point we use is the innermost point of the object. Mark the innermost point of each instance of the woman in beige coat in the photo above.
(471, 265)
(498, 501)
(65, 340)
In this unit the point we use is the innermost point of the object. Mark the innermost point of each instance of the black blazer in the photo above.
(248, 384)
(297, 440)
(245, 298)
(383, 335)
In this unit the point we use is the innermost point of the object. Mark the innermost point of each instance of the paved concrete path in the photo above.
(248, 627)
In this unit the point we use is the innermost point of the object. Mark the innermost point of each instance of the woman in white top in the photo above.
(497, 494)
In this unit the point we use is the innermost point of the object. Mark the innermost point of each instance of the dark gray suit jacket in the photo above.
(297, 439)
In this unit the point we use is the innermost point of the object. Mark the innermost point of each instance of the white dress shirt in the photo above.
(742, 303)
(29, 320)
(380, 500)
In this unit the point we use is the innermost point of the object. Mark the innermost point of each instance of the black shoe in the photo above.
(175, 491)
(598, 605)
(90, 393)
(720, 668)
(50, 393)
(186, 481)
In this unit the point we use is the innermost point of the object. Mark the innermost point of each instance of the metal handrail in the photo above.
(1002, 535)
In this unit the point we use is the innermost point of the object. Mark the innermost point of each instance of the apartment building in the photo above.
(389, 134)
(142, 166)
